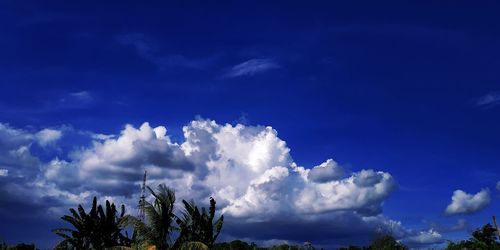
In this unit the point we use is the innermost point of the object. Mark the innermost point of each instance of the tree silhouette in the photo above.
(98, 229)
(483, 238)
(386, 242)
(160, 218)
(198, 226)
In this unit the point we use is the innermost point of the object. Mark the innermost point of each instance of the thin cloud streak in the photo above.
(149, 51)
(252, 67)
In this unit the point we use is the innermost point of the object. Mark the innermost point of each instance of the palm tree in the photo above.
(160, 217)
(198, 226)
(110, 226)
(98, 229)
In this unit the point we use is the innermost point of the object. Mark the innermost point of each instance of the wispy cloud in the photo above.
(82, 95)
(489, 100)
(149, 51)
(252, 67)
(140, 43)
(81, 99)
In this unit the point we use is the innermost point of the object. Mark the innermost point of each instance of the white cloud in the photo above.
(248, 170)
(252, 67)
(15, 155)
(364, 192)
(149, 51)
(13, 138)
(326, 171)
(82, 95)
(464, 203)
(489, 100)
(4, 172)
(116, 164)
(460, 225)
(48, 136)
(77, 100)
(426, 238)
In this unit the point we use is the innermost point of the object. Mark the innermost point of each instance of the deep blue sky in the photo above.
(409, 88)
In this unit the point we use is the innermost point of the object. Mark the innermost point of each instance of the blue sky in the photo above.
(408, 88)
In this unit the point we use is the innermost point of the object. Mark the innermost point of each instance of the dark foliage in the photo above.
(21, 246)
(241, 245)
(235, 245)
(484, 238)
(98, 229)
(197, 225)
(160, 220)
(386, 242)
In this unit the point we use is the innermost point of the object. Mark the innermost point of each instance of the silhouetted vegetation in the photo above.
(97, 229)
(102, 228)
(241, 245)
(21, 246)
(385, 242)
(234, 245)
(198, 226)
(483, 238)
(160, 217)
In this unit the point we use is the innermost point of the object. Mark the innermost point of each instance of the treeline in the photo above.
(241, 245)
(104, 227)
(484, 238)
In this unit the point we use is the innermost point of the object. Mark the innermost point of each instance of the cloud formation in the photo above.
(464, 203)
(15, 155)
(423, 238)
(247, 169)
(48, 136)
(325, 172)
(148, 50)
(489, 100)
(252, 67)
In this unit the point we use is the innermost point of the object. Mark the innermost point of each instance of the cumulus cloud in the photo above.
(459, 225)
(252, 67)
(4, 172)
(114, 165)
(247, 169)
(15, 154)
(325, 172)
(48, 136)
(464, 203)
(423, 238)
(489, 100)
(13, 138)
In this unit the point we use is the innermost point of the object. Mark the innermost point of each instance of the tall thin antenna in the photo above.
(496, 225)
(142, 200)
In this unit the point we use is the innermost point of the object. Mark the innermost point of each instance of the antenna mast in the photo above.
(142, 200)
(496, 225)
